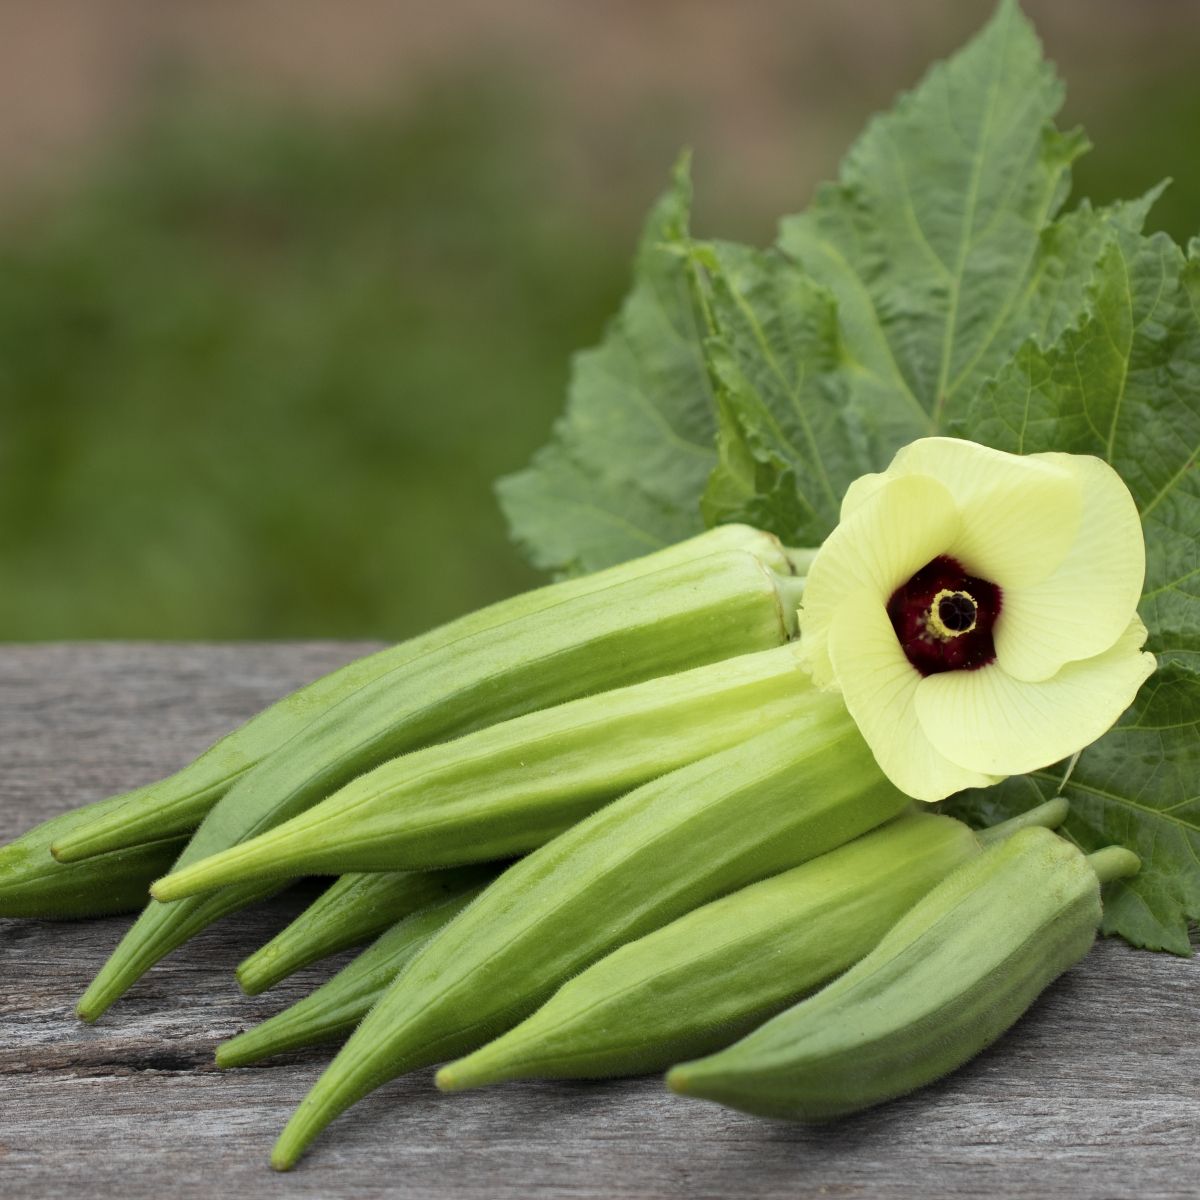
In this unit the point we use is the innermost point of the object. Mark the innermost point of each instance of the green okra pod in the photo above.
(716, 973)
(33, 884)
(770, 803)
(692, 613)
(350, 912)
(176, 805)
(504, 790)
(947, 980)
(332, 1012)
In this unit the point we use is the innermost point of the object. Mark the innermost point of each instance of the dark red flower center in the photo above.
(944, 618)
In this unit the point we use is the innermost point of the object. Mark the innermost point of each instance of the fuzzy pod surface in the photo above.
(507, 789)
(952, 975)
(177, 804)
(697, 611)
(332, 1012)
(717, 972)
(34, 884)
(673, 844)
(351, 911)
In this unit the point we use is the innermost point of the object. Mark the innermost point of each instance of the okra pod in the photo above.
(717, 972)
(331, 1013)
(350, 912)
(949, 978)
(33, 884)
(504, 790)
(675, 843)
(689, 614)
(176, 805)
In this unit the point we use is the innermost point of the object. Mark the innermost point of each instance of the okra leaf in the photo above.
(1124, 385)
(625, 469)
(939, 252)
(789, 446)
(939, 242)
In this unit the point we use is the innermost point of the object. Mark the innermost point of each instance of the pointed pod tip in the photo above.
(281, 1161)
(677, 1080)
(295, 1140)
(88, 1012)
(247, 1048)
(457, 1078)
(163, 890)
(252, 982)
(85, 843)
(306, 1123)
(288, 1148)
(483, 1068)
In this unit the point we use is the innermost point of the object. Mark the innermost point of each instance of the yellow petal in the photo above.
(891, 535)
(1020, 515)
(1080, 610)
(986, 720)
(861, 490)
(880, 686)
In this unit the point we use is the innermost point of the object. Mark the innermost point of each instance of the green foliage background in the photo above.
(257, 373)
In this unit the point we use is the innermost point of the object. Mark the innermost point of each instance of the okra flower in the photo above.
(977, 611)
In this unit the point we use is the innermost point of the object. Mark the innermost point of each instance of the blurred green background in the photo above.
(282, 292)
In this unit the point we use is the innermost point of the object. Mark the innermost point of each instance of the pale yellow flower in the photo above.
(977, 610)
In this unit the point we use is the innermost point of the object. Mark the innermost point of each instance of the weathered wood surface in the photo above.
(1096, 1092)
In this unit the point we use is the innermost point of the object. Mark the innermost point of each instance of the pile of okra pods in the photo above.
(671, 816)
(613, 826)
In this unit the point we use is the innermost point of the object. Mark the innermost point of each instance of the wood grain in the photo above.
(1095, 1093)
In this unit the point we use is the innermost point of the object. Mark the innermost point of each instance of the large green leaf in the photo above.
(1124, 385)
(939, 241)
(914, 278)
(789, 445)
(629, 459)
(887, 305)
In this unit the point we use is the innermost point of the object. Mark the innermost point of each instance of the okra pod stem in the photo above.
(1114, 862)
(507, 789)
(176, 805)
(673, 844)
(351, 911)
(693, 613)
(1049, 815)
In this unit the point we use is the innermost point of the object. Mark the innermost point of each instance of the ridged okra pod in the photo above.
(952, 975)
(33, 884)
(717, 972)
(176, 805)
(507, 789)
(673, 844)
(331, 1013)
(692, 613)
(350, 912)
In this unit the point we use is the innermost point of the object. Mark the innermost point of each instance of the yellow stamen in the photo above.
(952, 614)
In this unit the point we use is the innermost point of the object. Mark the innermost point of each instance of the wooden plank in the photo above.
(1095, 1093)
